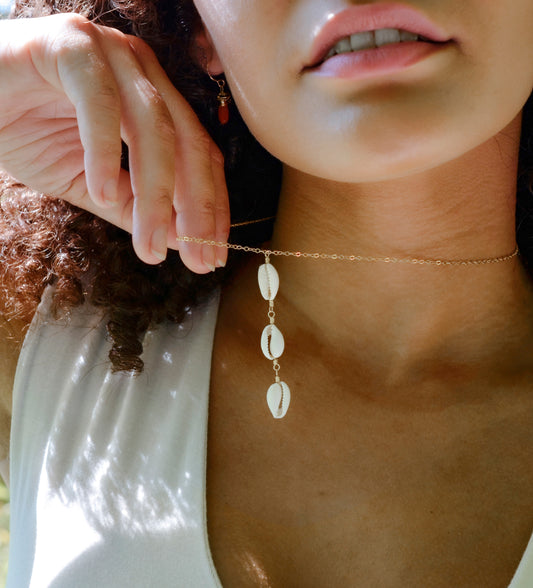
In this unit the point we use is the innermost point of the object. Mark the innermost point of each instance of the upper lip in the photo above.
(370, 17)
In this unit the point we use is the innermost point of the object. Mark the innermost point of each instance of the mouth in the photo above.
(371, 40)
(366, 27)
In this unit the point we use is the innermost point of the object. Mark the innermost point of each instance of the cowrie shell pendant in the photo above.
(268, 278)
(278, 399)
(272, 342)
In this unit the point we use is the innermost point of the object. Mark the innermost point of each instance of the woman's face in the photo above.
(342, 122)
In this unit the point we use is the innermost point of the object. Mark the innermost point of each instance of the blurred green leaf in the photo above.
(4, 493)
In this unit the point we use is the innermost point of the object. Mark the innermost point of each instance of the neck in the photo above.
(406, 314)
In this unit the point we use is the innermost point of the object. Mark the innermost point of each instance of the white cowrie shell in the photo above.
(278, 399)
(272, 342)
(268, 279)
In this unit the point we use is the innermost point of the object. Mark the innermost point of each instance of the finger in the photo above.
(88, 82)
(152, 177)
(194, 203)
(148, 129)
(200, 194)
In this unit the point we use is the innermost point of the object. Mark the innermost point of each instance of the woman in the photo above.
(405, 456)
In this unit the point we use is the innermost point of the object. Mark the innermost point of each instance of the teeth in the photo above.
(386, 36)
(343, 46)
(362, 41)
(407, 36)
(371, 40)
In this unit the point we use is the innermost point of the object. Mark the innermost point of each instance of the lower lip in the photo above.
(376, 62)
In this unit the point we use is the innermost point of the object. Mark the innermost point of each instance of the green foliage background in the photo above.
(4, 532)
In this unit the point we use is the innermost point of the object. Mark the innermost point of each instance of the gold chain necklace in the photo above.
(340, 256)
(272, 342)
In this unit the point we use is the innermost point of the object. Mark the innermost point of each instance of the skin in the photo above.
(420, 163)
(444, 182)
(410, 425)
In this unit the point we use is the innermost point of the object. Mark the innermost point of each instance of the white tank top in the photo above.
(108, 471)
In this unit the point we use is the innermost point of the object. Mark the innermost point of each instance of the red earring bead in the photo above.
(223, 100)
(223, 111)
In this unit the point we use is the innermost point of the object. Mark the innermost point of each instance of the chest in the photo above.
(282, 517)
(362, 497)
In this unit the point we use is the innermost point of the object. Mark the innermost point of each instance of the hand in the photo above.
(70, 91)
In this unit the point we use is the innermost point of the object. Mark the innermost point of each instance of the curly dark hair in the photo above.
(45, 240)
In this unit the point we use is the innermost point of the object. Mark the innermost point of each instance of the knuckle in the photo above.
(101, 98)
(101, 92)
(206, 206)
(156, 208)
(201, 205)
(74, 20)
(108, 93)
(109, 148)
(139, 46)
(71, 46)
(154, 203)
(202, 141)
(199, 144)
(75, 28)
(216, 154)
(161, 199)
(161, 120)
(77, 50)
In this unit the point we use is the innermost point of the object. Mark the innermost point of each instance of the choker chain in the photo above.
(354, 258)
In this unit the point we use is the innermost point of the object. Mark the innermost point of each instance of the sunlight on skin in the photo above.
(256, 571)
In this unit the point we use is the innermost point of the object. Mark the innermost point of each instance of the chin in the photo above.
(391, 154)
(354, 168)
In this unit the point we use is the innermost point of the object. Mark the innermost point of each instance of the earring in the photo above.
(223, 100)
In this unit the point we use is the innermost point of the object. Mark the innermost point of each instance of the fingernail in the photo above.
(221, 262)
(159, 243)
(110, 192)
(209, 257)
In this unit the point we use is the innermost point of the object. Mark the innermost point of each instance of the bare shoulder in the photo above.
(11, 337)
